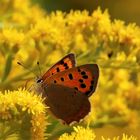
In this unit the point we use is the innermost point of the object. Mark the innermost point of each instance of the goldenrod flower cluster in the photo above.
(81, 133)
(22, 114)
(29, 34)
(124, 137)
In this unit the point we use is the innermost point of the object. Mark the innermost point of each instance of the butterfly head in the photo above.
(39, 81)
(39, 87)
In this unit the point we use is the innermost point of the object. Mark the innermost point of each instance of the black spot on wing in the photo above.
(70, 76)
(66, 66)
(62, 79)
(85, 76)
(61, 62)
(83, 86)
(57, 69)
(91, 88)
(80, 80)
(79, 70)
(83, 73)
(54, 81)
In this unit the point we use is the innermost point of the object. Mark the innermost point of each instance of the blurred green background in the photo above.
(127, 10)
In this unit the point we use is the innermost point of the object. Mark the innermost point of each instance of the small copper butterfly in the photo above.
(66, 88)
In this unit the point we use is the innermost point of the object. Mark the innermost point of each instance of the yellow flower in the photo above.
(102, 24)
(124, 137)
(79, 19)
(46, 29)
(79, 41)
(118, 106)
(79, 133)
(126, 35)
(12, 37)
(23, 108)
(123, 76)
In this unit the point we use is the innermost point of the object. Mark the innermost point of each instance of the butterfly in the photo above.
(67, 87)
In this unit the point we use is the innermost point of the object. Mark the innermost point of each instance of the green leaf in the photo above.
(8, 67)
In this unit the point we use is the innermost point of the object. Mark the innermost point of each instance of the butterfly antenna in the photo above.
(27, 68)
(39, 68)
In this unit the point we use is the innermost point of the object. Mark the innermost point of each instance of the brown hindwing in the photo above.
(66, 104)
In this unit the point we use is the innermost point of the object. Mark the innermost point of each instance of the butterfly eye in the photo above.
(39, 81)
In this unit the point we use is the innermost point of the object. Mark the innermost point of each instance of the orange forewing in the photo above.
(83, 78)
(65, 63)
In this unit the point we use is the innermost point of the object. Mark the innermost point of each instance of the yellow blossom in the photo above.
(79, 133)
(124, 137)
(77, 18)
(103, 23)
(12, 37)
(19, 105)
